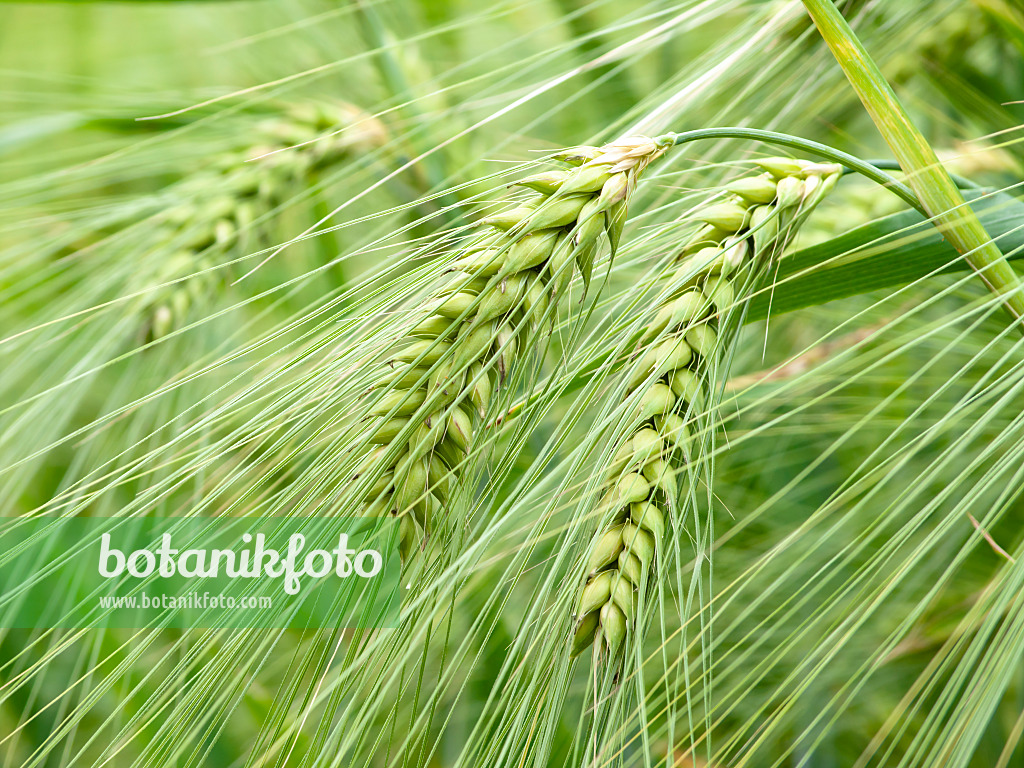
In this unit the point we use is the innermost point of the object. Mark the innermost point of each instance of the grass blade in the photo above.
(925, 174)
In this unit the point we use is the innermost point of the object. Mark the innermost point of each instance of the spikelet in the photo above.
(740, 238)
(502, 282)
(221, 204)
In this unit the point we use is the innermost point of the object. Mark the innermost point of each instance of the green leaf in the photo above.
(890, 251)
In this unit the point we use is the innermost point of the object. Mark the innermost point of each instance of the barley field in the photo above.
(675, 346)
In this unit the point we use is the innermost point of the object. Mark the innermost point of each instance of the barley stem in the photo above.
(824, 151)
(940, 198)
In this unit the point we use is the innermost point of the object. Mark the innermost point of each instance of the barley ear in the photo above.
(669, 379)
(222, 204)
(500, 285)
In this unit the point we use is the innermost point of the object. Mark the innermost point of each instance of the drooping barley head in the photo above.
(439, 383)
(671, 376)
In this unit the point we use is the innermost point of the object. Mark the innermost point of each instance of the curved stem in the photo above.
(806, 145)
(893, 165)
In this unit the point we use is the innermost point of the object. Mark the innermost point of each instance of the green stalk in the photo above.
(382, 42)
(950, 213)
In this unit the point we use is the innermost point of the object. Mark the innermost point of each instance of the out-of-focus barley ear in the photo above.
(498, 286)
(222, 204)
(668, 379)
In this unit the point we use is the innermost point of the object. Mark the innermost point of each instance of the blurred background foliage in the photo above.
(867, 556)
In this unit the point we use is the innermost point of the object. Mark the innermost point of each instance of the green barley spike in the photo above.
(740, 238)
(501, 282)
(221, 204)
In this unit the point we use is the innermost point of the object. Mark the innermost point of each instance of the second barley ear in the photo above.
(669, 380)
